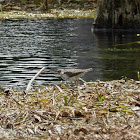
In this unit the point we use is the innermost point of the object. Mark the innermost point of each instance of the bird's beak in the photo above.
(56, 73)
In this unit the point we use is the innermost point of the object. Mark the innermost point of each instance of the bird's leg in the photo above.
(77, 83)
(71, 83)
(67, 83)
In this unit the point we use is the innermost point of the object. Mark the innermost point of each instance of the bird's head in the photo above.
(90, 69)
(60, 71)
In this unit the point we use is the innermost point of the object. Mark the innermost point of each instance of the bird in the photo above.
(73, 74)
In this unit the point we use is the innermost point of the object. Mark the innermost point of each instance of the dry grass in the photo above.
(97, 110)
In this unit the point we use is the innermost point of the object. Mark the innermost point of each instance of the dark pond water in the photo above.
(28, 45)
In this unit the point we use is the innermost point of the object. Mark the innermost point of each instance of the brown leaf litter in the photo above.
(96, 110)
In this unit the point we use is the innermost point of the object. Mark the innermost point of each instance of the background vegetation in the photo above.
(45, 4)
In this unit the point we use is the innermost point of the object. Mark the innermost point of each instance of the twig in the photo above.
(3, 6)
(17, 123)
(29, 84)
(83, 80)
(17, 102)
(60, 90)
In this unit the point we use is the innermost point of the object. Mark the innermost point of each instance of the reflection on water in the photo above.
(27, 46)
(119, 54)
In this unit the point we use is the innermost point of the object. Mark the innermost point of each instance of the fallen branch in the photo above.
(29, 84)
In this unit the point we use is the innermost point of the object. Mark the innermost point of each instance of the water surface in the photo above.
(29, 45)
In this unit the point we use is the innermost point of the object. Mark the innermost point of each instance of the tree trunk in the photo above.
(118, 14)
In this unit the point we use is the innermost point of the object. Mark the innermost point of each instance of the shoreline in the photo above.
(53, 13)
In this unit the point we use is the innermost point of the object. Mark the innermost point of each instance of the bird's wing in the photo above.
(72, 74)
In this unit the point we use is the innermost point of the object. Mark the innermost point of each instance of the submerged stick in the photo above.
(29, 84)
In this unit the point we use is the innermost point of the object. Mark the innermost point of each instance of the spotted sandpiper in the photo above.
(73, 74)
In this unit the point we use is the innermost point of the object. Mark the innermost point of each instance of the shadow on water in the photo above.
(119, 54)
(27, 46)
